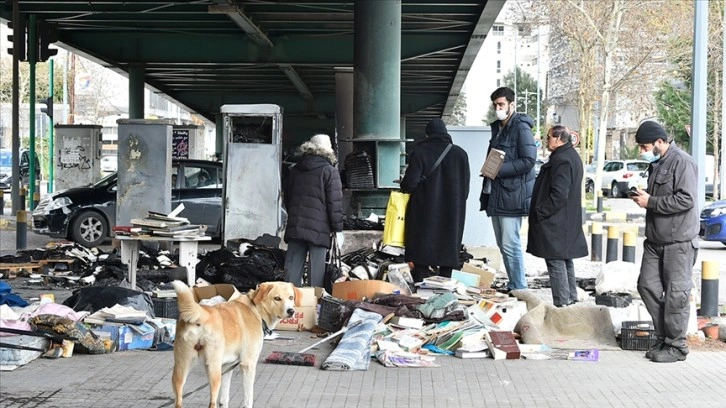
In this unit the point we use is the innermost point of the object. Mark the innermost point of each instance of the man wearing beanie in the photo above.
(671, 240)
(314, 203)
(437, 207)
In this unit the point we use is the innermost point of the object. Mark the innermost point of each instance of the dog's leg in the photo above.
(182, 364)
(214, 373)
(248, 382)
(224, 389)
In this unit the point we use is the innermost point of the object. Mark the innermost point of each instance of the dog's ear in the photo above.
(298, 296)
(261, 292)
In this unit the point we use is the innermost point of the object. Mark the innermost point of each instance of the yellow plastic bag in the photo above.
(394, 230)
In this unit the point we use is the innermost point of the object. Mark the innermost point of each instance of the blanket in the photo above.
(354, 349)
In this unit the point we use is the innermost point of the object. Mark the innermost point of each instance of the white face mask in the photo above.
(502, 114)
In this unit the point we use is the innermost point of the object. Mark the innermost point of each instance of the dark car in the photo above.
(86, 215)
(24, 168)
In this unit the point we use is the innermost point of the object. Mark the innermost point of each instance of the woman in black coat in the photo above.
(555, 216)
(437, 207)
(314, 203)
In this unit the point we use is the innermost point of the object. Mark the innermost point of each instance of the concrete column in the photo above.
(136, 91)
(344, 111)
(377, 63)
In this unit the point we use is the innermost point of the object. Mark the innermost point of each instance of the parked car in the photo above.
(617, 176)
(6, 168)
(713, 222)
(86, 215)
(109, 164)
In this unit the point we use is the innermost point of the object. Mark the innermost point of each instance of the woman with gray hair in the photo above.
(314, 202)
(555, 216)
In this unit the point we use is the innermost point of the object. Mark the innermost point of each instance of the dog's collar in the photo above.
(266, 330)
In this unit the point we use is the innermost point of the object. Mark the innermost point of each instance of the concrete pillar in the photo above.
(344, 111)
(377, 84)
(144, 181)
(136, 91)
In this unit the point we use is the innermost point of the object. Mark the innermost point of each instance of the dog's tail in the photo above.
(189, 310)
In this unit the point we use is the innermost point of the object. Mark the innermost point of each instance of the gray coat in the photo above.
(672, 212)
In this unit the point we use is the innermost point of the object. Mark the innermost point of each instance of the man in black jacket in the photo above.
(314, 202)
(555, 216)
(506, 198)
(437, 207)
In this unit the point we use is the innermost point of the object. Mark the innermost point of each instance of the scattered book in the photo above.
(584, 355)
(493, 163)
(502, 345)
(407, 322)
(440, 282)
(471, 354)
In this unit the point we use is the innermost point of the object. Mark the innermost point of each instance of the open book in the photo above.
(493, 163)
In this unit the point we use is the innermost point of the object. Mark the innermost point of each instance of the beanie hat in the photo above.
(322, 141)
(436, 126)
(650, 131)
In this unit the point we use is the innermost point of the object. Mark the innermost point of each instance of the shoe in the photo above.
(669, 354)
(658, 346)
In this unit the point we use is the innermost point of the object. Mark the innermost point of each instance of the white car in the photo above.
(109, 164)
(619, 175)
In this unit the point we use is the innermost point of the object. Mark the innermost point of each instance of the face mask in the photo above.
(502, 114)
(650, 155)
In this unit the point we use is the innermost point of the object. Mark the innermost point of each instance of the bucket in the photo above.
(711, 331)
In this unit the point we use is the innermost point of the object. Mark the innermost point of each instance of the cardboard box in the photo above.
(486, 277)
(305, 318)
(310, 296)
(225, 290)
(357, 290)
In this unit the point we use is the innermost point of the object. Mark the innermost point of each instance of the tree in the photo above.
(526, 96)
(458, 116)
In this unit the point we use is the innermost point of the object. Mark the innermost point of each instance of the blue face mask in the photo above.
(649, 156)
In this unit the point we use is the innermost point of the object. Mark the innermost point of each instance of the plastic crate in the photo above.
(637, 335)
(166, 307)
(333, 313)
(614, 299)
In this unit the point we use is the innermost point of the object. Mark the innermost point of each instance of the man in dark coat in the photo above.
(506, 198)
(555, 216)
(437, 207)
(314, 202)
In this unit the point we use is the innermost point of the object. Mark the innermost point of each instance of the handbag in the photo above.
(333, 266)
(395, 226)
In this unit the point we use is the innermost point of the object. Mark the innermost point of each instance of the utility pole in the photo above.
(72, 91)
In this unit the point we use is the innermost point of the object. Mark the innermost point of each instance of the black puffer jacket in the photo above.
(314, 201)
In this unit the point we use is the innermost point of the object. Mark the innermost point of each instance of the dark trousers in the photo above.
(665, 285)
(562, 281)
(297, 253)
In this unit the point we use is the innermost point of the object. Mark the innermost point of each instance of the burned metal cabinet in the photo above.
(252, 160)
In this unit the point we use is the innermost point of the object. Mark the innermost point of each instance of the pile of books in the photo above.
(116, 314)
(166, 225)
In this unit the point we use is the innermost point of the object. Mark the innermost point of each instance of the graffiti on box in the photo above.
(74, 157)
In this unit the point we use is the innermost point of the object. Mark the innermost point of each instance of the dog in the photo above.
(227, 334)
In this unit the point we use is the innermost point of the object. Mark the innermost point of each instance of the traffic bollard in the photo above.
(596, 242)
(709, 289)
(629, 246)
(22, 198)
(611, 254)
(599, 200)
(21, 230)
(36, 199)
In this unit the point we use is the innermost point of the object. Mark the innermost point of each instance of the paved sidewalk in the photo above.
(143, 379)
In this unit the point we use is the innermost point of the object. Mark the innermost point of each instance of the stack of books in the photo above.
(167, 225)
(116, 314)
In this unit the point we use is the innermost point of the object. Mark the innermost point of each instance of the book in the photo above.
(408, 322)
(584, 355)
(502, 345)
(471, 354)
(493, 163)
(440, 282)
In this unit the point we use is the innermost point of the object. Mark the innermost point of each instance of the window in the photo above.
(498, 30)
(499, 47)
(499, 67)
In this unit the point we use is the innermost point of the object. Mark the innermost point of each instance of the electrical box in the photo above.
(77, 156)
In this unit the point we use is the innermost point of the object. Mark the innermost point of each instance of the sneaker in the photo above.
(658, 346)
(669, 354)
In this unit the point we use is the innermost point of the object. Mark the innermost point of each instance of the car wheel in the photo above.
(589, 186)
(614, 190)
(89, 229)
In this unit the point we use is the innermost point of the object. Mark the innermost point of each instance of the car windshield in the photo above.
(106, 181)
(637, 166)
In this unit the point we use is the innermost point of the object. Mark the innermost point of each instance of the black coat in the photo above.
(511, 191)
(437, 207)
(314, 201)
(555, 216)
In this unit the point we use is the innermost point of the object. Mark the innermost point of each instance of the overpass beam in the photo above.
(136, 91)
